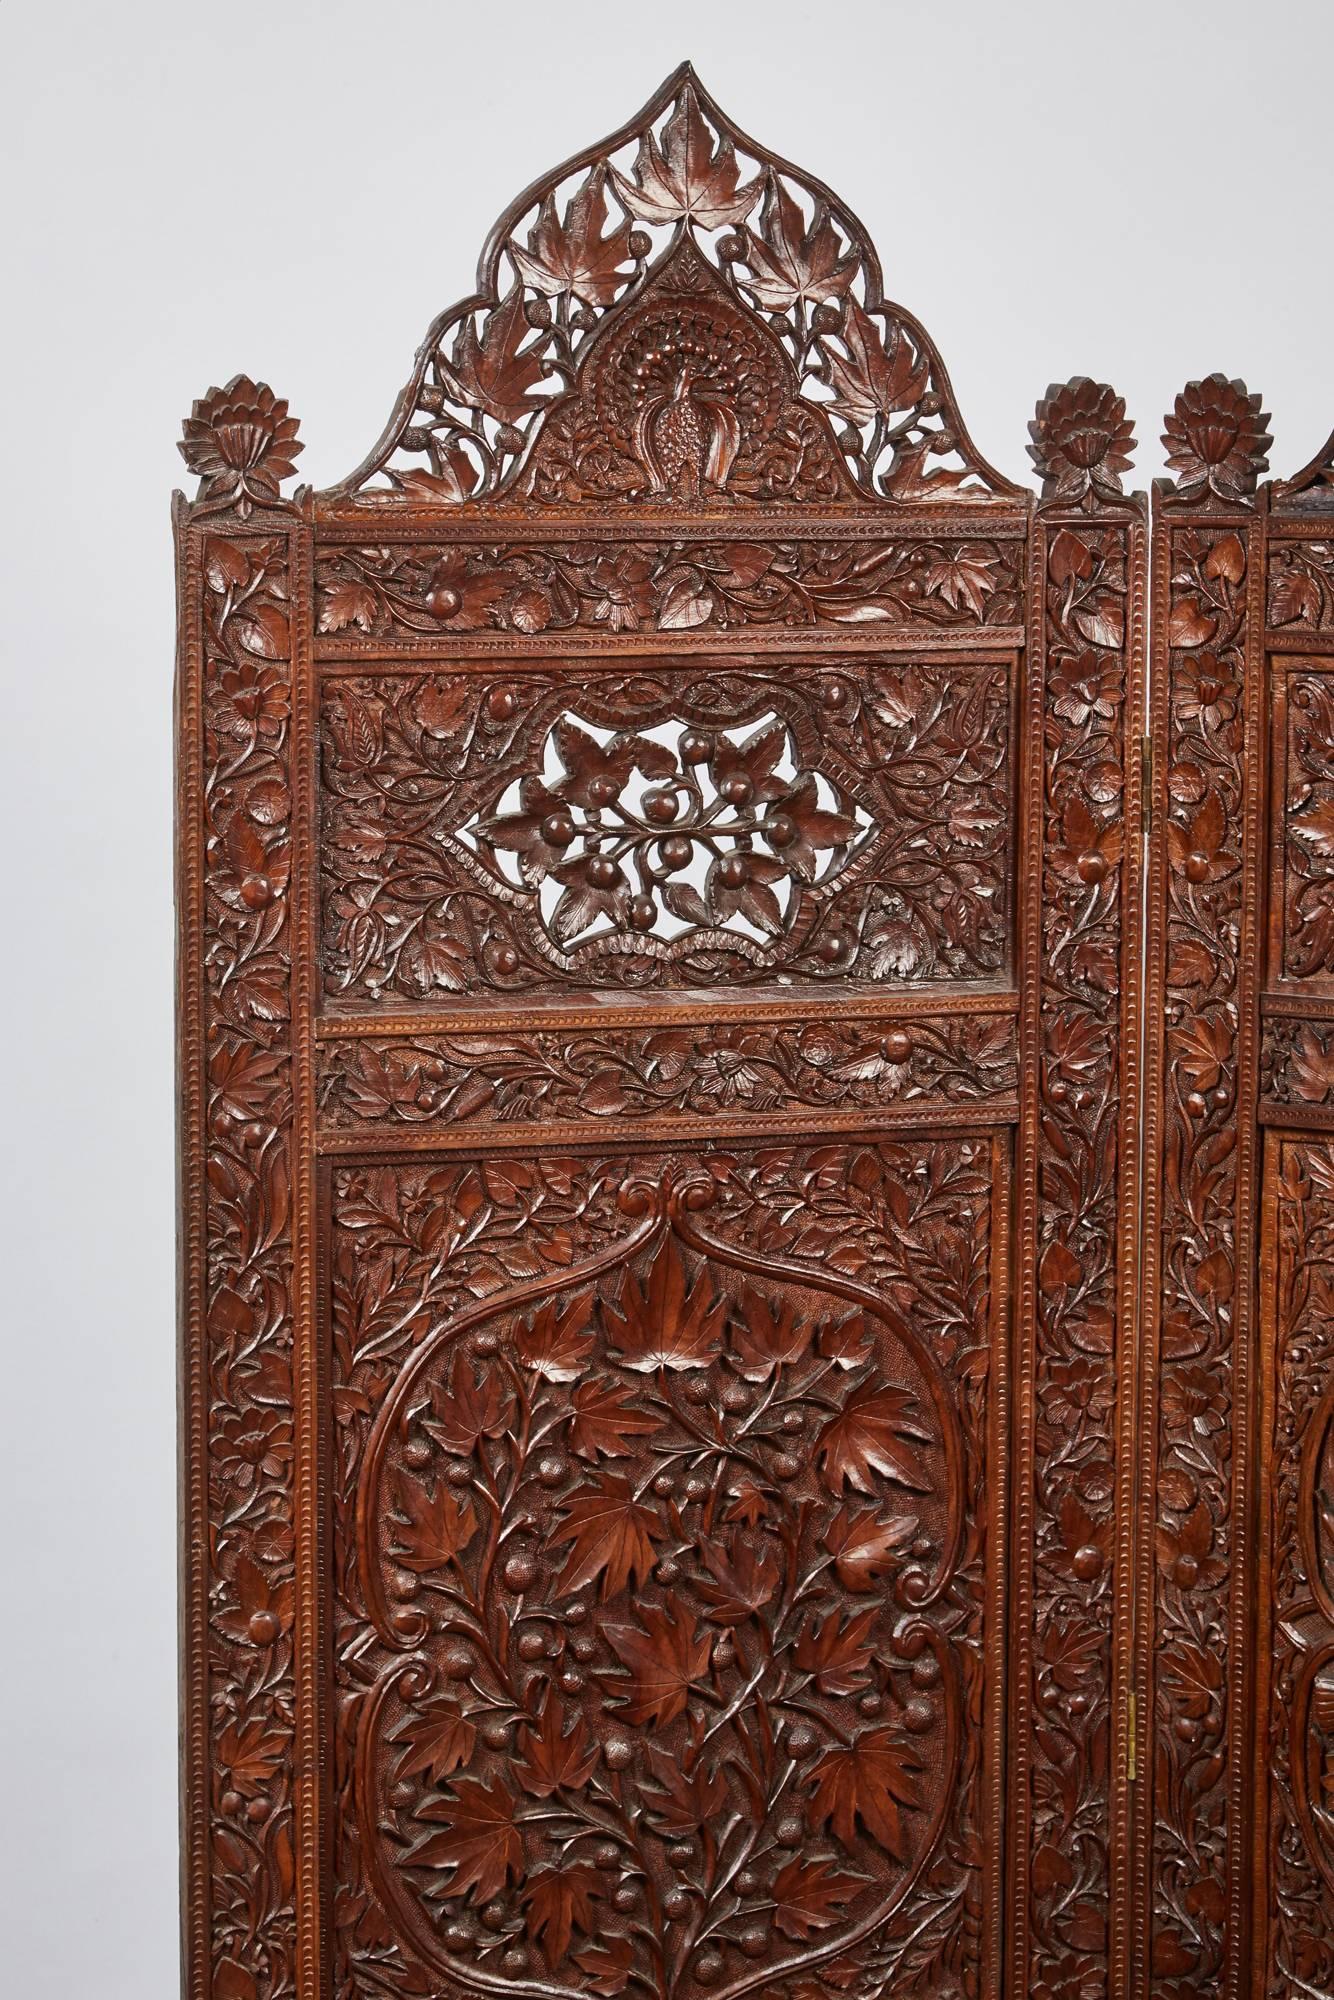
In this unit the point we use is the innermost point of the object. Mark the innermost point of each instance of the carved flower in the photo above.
(1075, 1387)
(1208, 690)
(251, 700)
(241, 442)
(1084, 685)
(1071, 1977)
(1216, 439)
(1192, 1400)
(252, 1443)
(1082, 440)
(625, 594)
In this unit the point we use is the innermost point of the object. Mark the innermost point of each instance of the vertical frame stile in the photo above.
(310, 1638)
(1081, 1110)
(1148, 1316)
(1206, 947)
(241, 1286)
(193, 1401)
(1128, 1689)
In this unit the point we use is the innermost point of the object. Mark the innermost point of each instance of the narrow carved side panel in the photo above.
(1299, 1741)
(1307, 807)
(665, 1504)
(1089, 964)
(1211, 940)
(512, 1078)
(236, 857)
(666, 827)
(1301, 586)
(370, 595)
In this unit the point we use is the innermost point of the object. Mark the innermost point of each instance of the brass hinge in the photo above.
(1131, 1743)
(1146, 782)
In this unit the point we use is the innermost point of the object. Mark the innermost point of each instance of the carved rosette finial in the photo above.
(1082, 443)
(242, 443)
(1217, 441)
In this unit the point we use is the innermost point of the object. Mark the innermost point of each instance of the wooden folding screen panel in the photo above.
(660, 856)
(1237, 1635)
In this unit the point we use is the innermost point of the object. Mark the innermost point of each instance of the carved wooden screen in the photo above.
(660, 897)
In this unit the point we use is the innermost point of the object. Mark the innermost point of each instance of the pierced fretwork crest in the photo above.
(676, 313)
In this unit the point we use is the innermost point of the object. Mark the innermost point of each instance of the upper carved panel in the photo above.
(676, 316)
(675, 828)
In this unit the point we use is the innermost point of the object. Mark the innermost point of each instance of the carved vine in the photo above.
(509, 1078)
(1301, 1632)
(883, 804)
(1206, 636)
(247, 808)
(679, 586)
(661, 1571)
(1082, 974)
(1308, 829)
(680, 190)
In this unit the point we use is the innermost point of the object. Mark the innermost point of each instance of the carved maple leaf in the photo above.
(836, 1653)
(767, 1337)
(603, 1418)
(557, 1340)
(808, 1896)
(553, 1755)
(744, 1579)
(792, 262)
(437, 1738)
(683, 179)
(665, 1657)
(612, 1534)
(437, 1528)
(524, 832)
(464, 1410)
(864, 1546)
(681, 1802)
(967, 579)
(574, 255)
(593, 767)
(879, 374)
(558, 1899)
(666, 1322)
(479, 1839)
(606, 1964)
(868, 1780)
(497, 373)
(868, 1437)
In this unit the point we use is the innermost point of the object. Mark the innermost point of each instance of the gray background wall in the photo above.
(1139, 192)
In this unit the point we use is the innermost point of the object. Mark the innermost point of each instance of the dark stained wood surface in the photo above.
(756, 1389)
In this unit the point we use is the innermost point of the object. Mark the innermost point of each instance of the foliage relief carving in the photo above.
(1206, 628)
(247, 808)
(729, 311)
(678, 586)
(837, 824)
(663, 1544)
(518, 1078)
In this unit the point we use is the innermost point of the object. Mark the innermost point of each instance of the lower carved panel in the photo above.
(666, 1512)
(1299, 1330)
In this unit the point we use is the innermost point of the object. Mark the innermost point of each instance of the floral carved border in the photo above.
(515, 1079)
(1298, 1638)
(1204, 935)
(367, 596)
(235, 701)
(1083, 1023)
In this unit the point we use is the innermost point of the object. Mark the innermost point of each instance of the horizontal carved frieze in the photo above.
(517, 1078)
(675, 586)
